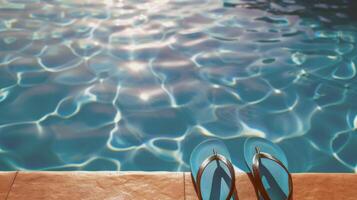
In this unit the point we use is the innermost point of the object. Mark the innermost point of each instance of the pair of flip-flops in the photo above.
(214, 176)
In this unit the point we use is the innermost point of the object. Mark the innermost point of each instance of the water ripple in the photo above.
(114, 85)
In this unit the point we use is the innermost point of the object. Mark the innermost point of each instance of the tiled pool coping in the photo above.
(154, 185)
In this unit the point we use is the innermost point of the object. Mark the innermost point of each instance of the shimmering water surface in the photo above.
(136, 85)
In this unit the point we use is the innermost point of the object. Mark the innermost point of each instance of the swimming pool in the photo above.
(117, 85)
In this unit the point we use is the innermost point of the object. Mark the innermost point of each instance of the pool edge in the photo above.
(156, 185)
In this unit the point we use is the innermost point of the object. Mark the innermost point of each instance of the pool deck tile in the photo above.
(306, 187)
(155, 186)
(244, 188)
(325, 186)
(6, 180)
(97, 186)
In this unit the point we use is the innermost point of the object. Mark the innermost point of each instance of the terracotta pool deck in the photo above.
(155, 185)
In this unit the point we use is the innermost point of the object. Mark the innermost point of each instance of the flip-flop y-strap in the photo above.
(203, 166)
(257, 178)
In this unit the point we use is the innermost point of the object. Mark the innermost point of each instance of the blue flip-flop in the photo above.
(268, 165)
(212, 172)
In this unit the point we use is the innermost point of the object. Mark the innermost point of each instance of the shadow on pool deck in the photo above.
(155, 185)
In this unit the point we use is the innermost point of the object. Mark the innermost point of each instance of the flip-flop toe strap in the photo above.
(257, 178)
(204, 165)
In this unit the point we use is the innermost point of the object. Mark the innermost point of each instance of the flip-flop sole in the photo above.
(275, 179)
(213, 184)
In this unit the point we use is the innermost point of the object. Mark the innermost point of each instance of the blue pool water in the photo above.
(136, 85)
